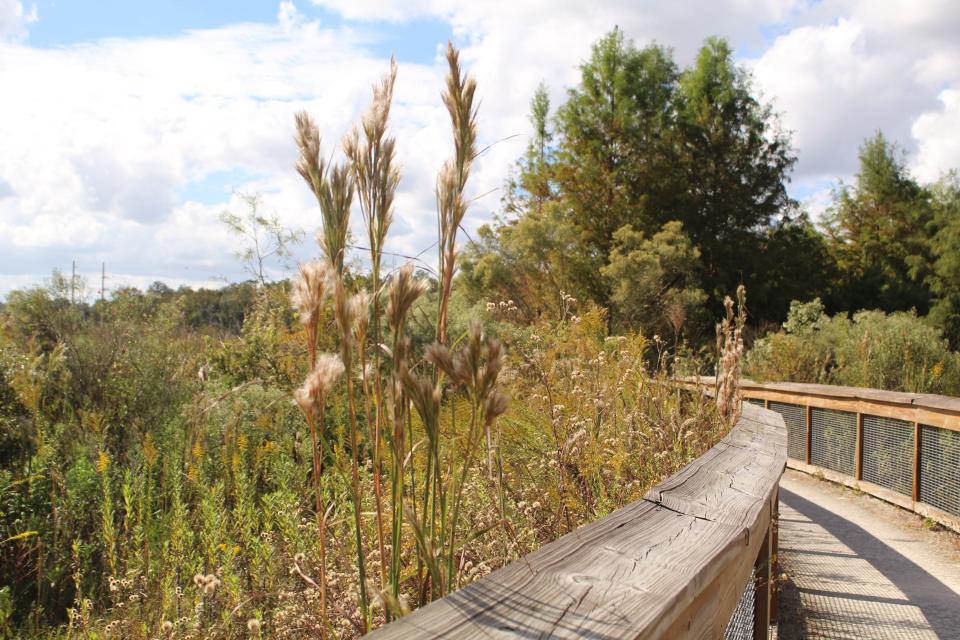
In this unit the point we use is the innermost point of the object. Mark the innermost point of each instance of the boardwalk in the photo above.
(863, 569)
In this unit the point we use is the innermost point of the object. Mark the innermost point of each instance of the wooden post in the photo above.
(775, 558)
(766, 403)
(916, 462)
(858, 455)
(761, 585)
(809, 430)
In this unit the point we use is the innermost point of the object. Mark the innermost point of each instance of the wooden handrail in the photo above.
(672, 565)
(924, 408)
(918, 409)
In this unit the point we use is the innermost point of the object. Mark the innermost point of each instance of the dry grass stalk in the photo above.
(312, 400)
(730, 349)
(451, 183)
(467, 375)
(371, 154)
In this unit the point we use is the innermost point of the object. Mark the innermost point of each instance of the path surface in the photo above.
(863, 569)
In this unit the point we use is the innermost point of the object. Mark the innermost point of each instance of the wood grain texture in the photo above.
(672, 565)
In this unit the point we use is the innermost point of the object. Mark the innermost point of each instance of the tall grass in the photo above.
(158, 483)
(412, 380)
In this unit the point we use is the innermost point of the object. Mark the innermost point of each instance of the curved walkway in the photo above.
(859, 568)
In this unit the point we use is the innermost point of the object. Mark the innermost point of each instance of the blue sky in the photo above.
(71, 22)
(129, 126)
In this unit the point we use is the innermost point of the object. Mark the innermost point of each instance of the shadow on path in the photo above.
(939, 604)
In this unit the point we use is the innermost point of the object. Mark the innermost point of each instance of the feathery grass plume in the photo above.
(372, 161)
(315, 389)
(311, 397)
(730, 349)
(332, 186)
(452, 180)
(310, 289)
(309, 292)
(359, 312)
(404, 291)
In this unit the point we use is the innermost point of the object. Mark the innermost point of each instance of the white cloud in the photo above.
(938, 138)
(101, 140)
(14, 18)
(852, 68)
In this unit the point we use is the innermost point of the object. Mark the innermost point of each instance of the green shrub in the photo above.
(896, 351)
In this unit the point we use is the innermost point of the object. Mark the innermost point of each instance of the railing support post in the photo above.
(761, 586)
(916, 462)
(775, 558)
(858, 455)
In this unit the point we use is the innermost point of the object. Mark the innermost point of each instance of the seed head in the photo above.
(404, 291)
(318, 384)
(310, 289)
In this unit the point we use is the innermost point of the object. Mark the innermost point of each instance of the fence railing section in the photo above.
(901, 447)
(690, 560)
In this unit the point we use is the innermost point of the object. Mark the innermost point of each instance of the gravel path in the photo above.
(859, 568)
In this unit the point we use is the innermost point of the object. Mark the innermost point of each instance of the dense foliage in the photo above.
(654, 191)
(896, 351)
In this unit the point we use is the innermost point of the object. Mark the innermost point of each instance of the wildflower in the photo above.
(103, 461)
(166, 627)
(253, 626)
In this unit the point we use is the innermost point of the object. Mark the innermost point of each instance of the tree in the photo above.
(534, 187)
(264, 236)
(735, 161)
(945, 247)
(654, 281)
(614, 157)
(636, 146)
(530, 260)
(878, 230)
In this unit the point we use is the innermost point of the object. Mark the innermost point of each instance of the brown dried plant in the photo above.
(371, 155)
(400, 396)
(451, 183)
(730, 350)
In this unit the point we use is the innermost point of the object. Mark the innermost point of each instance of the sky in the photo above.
(127, 127)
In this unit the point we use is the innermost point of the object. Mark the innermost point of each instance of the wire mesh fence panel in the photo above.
(888, 453)
(740, 626)
(833, 440)
(940, 468)
(795, 418)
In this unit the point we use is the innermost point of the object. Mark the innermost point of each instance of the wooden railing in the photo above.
(690, 560)
(901, 447)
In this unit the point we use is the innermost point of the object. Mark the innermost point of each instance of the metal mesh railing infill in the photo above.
(940, 468)
(887, 458)
(794, 416)
(833, 440)
(740, 626)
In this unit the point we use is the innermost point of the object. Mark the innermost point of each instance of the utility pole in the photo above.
(73, 280)
(103, 280)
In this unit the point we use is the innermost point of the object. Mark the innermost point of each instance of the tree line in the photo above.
(655, 191)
